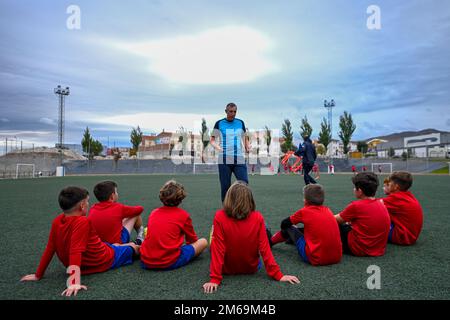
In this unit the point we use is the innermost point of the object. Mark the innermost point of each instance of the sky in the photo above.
(168, 64)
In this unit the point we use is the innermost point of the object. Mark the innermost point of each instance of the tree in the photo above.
(205, 138)
(362, 146)
(305, 129)
(90, 146)
(391, 152)
(320, 149)
(288, 136)
(325, 133)
(135, 139)
(267, 138)
(347, 128)
(96, 148)
(86, 142)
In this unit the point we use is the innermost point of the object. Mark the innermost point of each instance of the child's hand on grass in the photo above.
(73, 289)
(30, 277)
(210, 287)
(290, 279)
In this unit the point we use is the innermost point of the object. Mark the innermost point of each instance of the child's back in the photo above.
(107, 217)
(166, 231)
(240, 243)
(370, 227)
(323, 242)
(112, 220)
(73, 234)
(406, 215)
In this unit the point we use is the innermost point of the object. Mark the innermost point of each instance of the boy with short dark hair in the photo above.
(77, 245)
(112, 220)
(404, 209)
(365, 223)
(167, 228)
(319, 242)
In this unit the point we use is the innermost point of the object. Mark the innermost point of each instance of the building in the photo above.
(167, 144)
(426, 143)
(74, 147)
(335, 148)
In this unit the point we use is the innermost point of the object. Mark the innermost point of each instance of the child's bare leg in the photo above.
(128, 223)
(132, 223)
(199, 246)
(136, 248)
(136, 224)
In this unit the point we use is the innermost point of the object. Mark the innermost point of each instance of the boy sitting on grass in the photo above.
(112, 220)
(167, 228)
(404, 209)
(319, 242)
(239, 238)
(76, 243)
(365, 223)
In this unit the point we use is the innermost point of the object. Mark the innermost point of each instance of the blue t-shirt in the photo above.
(231, 136)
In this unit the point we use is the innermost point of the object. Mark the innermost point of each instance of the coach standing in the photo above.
(307, 150)
(231, 133)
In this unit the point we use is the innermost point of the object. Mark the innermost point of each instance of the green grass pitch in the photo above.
(417, 272)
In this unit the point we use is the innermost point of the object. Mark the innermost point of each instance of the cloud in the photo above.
(156, 121)
(4, 120)
(47, 121)
(233, 54)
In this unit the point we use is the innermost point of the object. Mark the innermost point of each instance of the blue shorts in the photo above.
(123, 255)
(187, 255)
(301, 245)
(124, 235)
(391, 231)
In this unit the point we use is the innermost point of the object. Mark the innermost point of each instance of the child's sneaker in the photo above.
(140, 236)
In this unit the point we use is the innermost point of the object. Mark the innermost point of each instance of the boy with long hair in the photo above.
(239, 238)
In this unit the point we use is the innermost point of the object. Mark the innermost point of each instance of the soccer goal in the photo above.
(199, 168)
(25, 170)
(385, 167)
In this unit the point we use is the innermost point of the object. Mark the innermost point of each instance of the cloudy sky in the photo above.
(165, 64)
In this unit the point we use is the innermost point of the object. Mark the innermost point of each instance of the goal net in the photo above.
(385, 167)
(25, 170)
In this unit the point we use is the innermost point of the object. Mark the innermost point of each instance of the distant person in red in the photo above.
(112, 220)
(316, 171)
(404, 209)
(77, 245)
(354, 169)
(164, 247)
(331, 169)
(319, 242)
(364, 168)
(365, 223)
(239, 239)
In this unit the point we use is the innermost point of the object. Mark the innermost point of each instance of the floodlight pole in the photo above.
(62, 93)
(329, 106)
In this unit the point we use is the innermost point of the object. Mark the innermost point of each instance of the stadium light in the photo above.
(329, 106)
(61, 93)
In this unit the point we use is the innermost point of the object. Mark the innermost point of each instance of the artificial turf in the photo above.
(417, 272)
